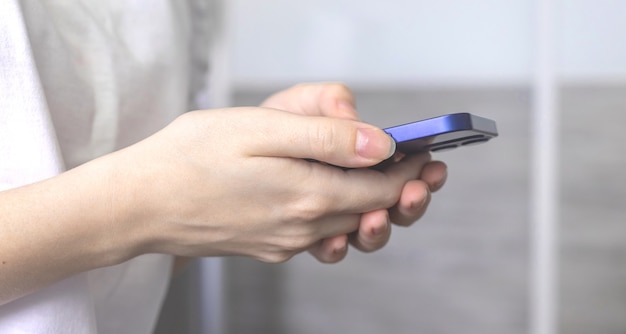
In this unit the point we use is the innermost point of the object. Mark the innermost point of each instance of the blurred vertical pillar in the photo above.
(211, 270)
(211, 308)
(544, 174)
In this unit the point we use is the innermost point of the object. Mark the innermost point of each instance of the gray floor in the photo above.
(464, 267)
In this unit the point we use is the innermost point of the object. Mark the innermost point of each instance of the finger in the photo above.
(365, 190)
(413, 203)
(330, 250)
(338, 142)
(316, 99)
(332, 226)
(434, 174)
(374, 231)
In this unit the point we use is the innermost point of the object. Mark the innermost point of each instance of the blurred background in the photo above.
(471, 264)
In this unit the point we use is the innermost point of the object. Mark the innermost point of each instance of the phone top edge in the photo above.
(443, 124)
(484, 125)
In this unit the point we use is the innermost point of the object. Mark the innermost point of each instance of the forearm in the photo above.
(193, 189)
(57, 228)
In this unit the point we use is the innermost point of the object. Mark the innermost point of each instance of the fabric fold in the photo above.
(29, 152)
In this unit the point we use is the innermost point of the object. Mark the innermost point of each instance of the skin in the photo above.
(193, 189)
(337, 100)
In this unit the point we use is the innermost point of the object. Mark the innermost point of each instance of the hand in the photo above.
(236, 182)
(336, 100)
(222, 182)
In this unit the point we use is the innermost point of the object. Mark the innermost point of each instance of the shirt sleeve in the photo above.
(28, 146)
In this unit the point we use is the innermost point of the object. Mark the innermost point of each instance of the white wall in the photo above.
(416, 42)
(592, 40)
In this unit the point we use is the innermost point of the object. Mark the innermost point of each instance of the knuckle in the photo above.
(309, 207)
(389, 198)
(338, 88)
(331, 92)
(285, 248)
(296, 244)
(325, 139)
(276, 257)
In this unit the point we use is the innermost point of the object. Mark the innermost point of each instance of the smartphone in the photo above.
(443, 133)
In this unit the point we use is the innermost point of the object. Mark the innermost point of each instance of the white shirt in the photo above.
(79, 79)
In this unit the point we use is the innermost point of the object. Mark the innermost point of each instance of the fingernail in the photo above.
(442, 181)
(373, 143)
(418, 204)
(392, 147)
(380, 230)
(340, 250)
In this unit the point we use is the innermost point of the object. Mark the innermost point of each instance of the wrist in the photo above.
(102, 193)
(60, 227)
(133, 192)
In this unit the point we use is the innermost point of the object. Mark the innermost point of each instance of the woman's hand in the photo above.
(336, 100)
(214, 182)
(237, 182)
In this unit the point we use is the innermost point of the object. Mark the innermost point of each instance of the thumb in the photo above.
(331, 99)
(341, 142)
